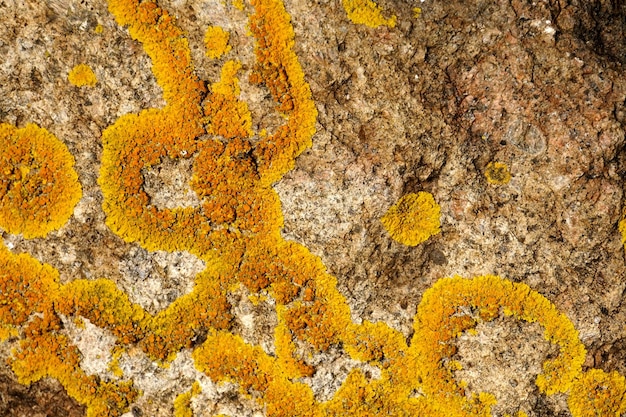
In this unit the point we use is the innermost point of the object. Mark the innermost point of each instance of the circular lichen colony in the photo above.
(38, 185)
(497, 173)
(82, 76)
(413, 219)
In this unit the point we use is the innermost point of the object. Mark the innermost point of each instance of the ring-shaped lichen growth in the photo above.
(413, 219)
(38, 185)
(440, 320)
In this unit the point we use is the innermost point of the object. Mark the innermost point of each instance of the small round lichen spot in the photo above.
(216, 42)
(413, 219)
(82, 75)
(497, 173)
(38, 185)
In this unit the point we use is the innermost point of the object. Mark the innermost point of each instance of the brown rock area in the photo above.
(425, 106)
(40, 399)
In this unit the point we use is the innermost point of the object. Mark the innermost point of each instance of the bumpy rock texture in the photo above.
(423, 106)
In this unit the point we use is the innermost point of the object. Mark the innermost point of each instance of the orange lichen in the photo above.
(440, 320)
(216, 42)
(497, 173)
(38, 185)
(367, 12)
(28, 292)
(597, 393)
(413, 219)
(25, 287)
(82, 75)
(227, 115)
(236, 231)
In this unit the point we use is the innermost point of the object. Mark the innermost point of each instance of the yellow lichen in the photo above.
(227, 116)
(29, 291)
(413, 219)
(236, 231)
(238, 4)
(597, 393)
(182, 403)
(439, 321)
(7, 332)
(216, 42)
(114, 365)
(622, 228)
(497, 173)
(82, 75)
(98, 29)
(367, 12)
(38, 185)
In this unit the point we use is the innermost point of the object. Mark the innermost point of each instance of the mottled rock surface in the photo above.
(424, 106)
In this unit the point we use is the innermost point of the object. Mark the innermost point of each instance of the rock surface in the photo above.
(423, 106)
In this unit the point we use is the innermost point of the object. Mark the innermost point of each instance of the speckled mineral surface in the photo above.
(429, 101)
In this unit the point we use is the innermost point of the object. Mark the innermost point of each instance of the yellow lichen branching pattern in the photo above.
(235, 230)
(38, 185)
(28, 287)
(182, 403)
(368, 13)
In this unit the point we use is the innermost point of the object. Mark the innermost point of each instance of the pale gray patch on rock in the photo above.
(255, 323)
(321, 205)
(504, 357)
(156, 279)
(94, 343)
(167, 184)
(526, 137)
(332, 369)
(161, 385)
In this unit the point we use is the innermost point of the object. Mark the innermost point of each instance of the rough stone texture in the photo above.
(45, 398)
(425, 106)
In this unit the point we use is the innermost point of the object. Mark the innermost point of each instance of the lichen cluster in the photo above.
(497, 173)
(413, 219)
(597, 393)
(368, 13)
(82, 75)
(236, 231)
(38, 185)
(216, 42)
